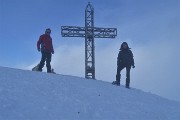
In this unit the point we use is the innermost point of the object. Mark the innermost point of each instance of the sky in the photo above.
(150, 27)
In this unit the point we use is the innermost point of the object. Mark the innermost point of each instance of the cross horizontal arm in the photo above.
(72, 31)
(105, 32)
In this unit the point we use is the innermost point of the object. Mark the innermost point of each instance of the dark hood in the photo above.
(123, 44)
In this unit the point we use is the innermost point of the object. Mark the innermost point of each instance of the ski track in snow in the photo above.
(27, 95)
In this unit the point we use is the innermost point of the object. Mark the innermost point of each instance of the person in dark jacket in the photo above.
(44, 44)
(125, 60)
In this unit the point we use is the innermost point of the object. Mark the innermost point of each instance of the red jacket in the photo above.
(46, 43)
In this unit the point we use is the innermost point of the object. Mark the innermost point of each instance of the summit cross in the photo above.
(89, 32)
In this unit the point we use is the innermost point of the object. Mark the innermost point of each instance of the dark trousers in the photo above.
(46, 56)
(118, 75)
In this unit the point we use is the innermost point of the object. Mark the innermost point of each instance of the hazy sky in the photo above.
(151, 27)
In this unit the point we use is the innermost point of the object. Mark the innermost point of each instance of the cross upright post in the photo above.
(89, 42)
(89, 32)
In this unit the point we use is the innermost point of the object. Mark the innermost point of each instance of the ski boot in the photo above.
(116, 83)
(127, 86)
(36, 68)
(127, 83)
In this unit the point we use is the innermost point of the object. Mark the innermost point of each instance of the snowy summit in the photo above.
(27, 95)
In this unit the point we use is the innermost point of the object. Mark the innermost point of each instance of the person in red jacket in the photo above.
(44, 44)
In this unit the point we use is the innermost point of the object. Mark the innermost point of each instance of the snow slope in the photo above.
(27, 95)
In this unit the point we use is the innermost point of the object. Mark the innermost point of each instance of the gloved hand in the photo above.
(38, 49)
(52, 52)
(133, 66)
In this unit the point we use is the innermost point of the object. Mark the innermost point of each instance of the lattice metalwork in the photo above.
(75, 31)
(89, 42)
(89, 32)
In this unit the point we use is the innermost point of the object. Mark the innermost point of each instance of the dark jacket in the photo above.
(46, 43)
(125, 57)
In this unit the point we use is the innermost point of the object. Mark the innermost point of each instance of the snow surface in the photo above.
(27, 95)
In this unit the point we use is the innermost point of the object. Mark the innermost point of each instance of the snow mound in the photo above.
(27, 95)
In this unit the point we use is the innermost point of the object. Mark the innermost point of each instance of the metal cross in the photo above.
(89, 32)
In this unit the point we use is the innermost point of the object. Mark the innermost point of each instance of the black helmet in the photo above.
(48, 30)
